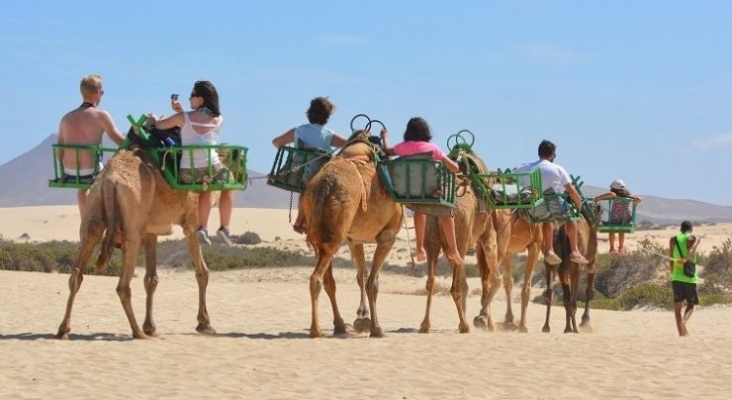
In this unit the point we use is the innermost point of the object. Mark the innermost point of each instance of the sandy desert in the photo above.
(263, 351)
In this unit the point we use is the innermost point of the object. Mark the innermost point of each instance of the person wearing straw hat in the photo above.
(620, 213)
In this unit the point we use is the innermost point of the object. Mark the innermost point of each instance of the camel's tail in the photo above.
(110, 205)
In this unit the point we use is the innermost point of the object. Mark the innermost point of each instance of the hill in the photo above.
(26, 182)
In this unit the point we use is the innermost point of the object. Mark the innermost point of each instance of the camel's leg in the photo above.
(574, 285)
(548, 295)
(151, 283)
(590, 295)
(91, 234)
(433, 254)
(507, 269)
(458, 290)
(385, 241)
(490, 284)
(130, 249)
(202, 277)
(316, 283)
(362, 323)
(531, 261)
(339, 328)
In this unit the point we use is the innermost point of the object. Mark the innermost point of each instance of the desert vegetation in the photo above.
(640, 279)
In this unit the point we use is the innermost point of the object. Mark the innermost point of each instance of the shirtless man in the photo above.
(85, 126)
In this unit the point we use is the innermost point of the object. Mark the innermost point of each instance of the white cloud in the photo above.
(715, 142)
(540, 51)
(343, 40)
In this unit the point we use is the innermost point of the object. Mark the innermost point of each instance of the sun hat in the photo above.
(617, 184)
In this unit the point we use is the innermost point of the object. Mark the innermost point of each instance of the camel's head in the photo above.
(360, 144)
(234, 160)
(592, 211)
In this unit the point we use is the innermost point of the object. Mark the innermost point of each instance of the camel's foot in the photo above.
(376, 332)
(63, 332)
(341, 329)
(149, 330)
(585, 326)
(140, 335)
(464, 327)
(205, 329)
(484, 323)
(361, 325)
(316, 333)
(546, 328)
(570, 330)
(424, 327)
(508, 326)
(523, 329)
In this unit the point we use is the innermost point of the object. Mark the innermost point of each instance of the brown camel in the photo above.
(345, 200)
(474, 225)
(569, 272)
(517, 235)
(130, 198)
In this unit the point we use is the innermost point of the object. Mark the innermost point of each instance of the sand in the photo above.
(262, 349)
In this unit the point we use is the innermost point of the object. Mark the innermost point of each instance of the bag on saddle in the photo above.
(689, 265)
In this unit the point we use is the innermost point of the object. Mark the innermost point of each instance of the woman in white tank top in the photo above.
(201, 126)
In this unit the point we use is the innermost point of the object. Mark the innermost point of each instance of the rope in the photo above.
(409, 241)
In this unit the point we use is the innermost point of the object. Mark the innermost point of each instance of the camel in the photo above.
(345, 200)
(569, 272)
(472, 227)
(131, 198)
(516, 235)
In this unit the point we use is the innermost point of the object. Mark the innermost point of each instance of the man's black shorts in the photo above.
(685, 291)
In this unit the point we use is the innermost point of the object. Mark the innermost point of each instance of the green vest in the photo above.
(678, 271)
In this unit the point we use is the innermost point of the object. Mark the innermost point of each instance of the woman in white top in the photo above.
(201, 127)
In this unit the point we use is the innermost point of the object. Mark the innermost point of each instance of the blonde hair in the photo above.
(90, 84)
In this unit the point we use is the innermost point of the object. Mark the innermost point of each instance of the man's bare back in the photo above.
(85, 126)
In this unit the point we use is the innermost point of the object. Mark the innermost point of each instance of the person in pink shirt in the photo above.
(417, 138)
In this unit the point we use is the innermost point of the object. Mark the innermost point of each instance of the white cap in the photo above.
(617, 184)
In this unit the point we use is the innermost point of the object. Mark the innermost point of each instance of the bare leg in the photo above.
(226, 205)
(621, 243)
(681, 322)
(204, 209)
(572, 234)
(611, 240)
(448, 228)
(419, 226)
(548, 232)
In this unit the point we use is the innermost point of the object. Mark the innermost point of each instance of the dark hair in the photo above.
(623, 192)
(320, 110)
(546, 149)
(207, 91)
(417, 130)
(686, 227)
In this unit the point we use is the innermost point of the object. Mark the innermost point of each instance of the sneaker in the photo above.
(552, 259)
(203, 236)
(223, 233)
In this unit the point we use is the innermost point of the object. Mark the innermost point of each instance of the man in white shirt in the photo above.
(555, 179)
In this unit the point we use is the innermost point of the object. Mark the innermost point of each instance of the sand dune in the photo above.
(262, 349)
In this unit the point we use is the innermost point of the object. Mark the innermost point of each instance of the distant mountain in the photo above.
(26, 184)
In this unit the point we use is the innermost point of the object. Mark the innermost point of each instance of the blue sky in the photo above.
(638, 90)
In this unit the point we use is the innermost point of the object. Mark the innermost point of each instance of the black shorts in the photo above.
(684, 291)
